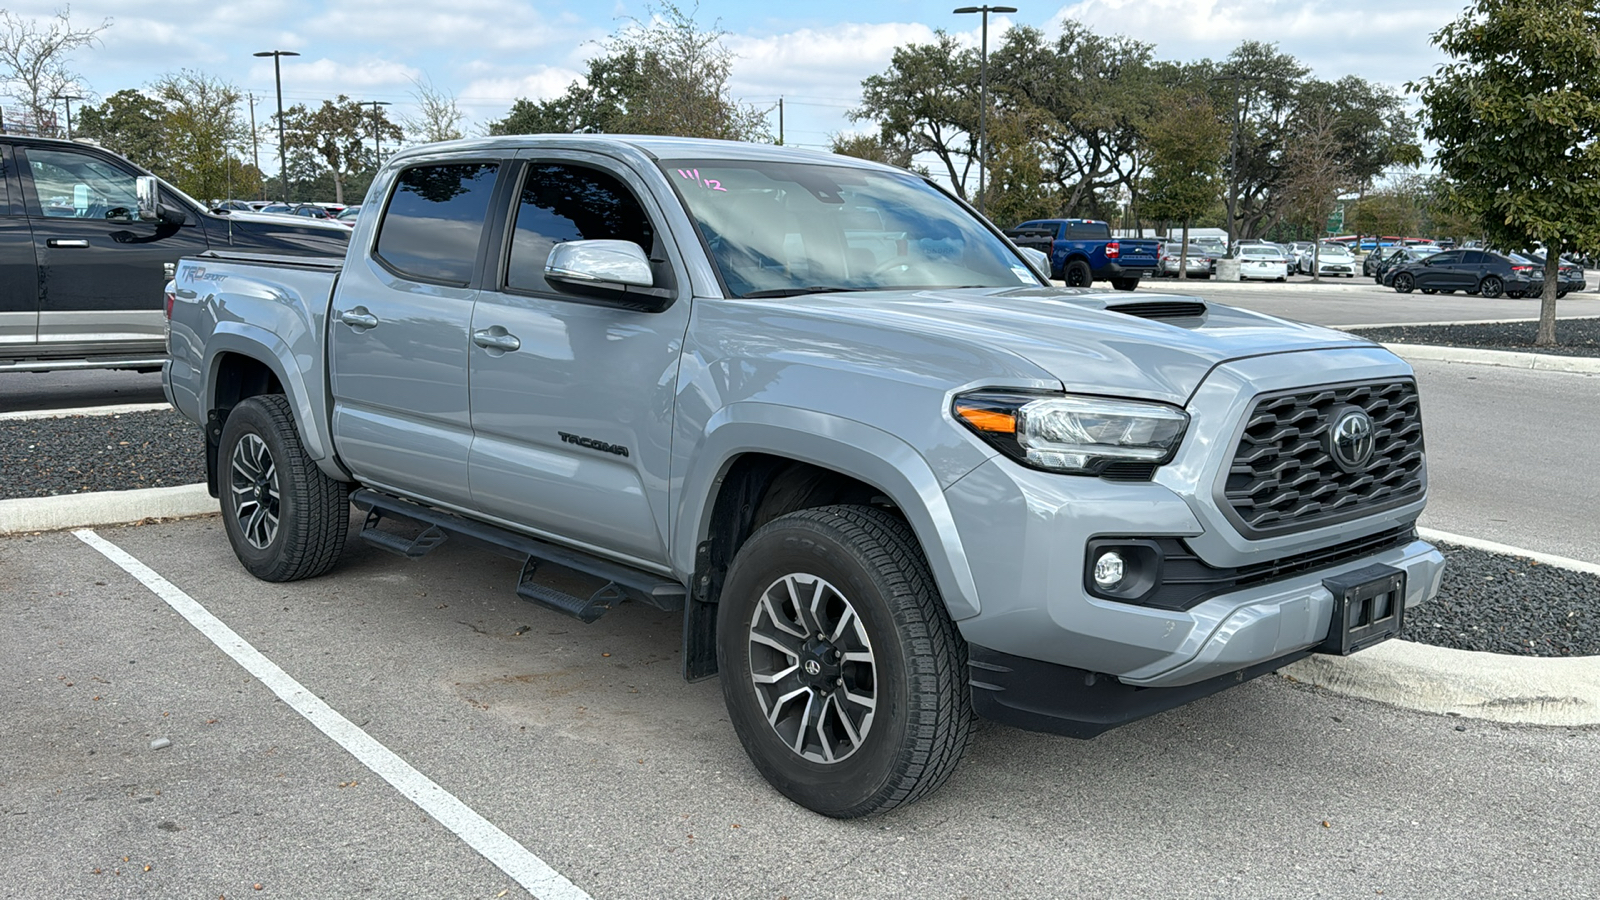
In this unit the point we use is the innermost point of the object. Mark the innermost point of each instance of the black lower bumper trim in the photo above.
(1040, 696)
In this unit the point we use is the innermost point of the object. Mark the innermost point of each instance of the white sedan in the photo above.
(1263, 261)
(1332, 259)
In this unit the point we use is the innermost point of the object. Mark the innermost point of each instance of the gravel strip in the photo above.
(45, 457)
(1577, 337)
(1508, 604)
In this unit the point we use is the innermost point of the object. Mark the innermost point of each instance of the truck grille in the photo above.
(1283, 478)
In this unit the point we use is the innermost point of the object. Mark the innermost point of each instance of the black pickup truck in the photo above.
(82, 261)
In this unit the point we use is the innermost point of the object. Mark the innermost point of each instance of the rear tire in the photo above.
(1491, 287)
(285, 519)
(1077, 274)
(843, 675)
(1125, 284)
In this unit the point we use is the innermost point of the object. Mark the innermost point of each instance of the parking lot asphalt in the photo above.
(584, 746)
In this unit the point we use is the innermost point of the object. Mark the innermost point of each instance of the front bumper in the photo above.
(1026, 535)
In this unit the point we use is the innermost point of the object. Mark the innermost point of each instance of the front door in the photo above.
(397, 334)
(19, 276)
(101, 269)
(572, 396)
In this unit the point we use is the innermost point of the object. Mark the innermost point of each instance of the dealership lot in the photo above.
(585, 747)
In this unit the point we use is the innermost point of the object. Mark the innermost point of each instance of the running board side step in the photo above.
(621, 581)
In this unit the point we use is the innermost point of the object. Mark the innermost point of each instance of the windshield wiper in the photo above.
(795, 292)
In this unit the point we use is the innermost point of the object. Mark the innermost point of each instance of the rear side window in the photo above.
(562, 203)
(435, 217)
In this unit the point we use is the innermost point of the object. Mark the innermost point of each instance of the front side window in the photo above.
(431, 227)
(570, 203)
(75, 185)
(778, 229)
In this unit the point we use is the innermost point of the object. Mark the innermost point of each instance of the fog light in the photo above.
(1108, 570)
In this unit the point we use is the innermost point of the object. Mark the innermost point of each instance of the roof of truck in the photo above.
(653, 147)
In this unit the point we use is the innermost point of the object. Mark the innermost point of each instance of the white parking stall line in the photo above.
(479, 833)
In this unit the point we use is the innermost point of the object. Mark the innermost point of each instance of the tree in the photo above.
(1020, 184)
(871, 146)
(1314, 175)
(128, 122)
(926, 101)
(33, 59)
(664, 76)
(201, 129)
(1187, 140)
(1516, 118)
(338, 135)
(438, 117)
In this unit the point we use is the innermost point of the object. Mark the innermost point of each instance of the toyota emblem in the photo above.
(813, 667)
(1350, 441)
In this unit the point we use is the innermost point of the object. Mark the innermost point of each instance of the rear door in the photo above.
(19, 276)
(101, 270)
(398, 333)
(572, 396)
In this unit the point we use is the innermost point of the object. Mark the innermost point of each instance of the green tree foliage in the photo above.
(928, 101)
(664, 76)
(33, 60)
(1020, 185)
(1186, 141)
(339, 138)
(202, 131)
(1516, 117)
(127, 122)
(1097, 94)
(1394, 210)
(873, 147)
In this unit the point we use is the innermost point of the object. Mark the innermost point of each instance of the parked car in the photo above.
(1393, 256)
(1329, 259)
(228, 206)
(1262, 261)
(1571, 276)
(1214, 247)
(1299, 254)
(87, 240)
(886, 475)
(347, 216)
(1474, 271)
(1083, 251)
(1199, 262)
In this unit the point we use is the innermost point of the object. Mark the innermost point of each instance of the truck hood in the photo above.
(1144, 345)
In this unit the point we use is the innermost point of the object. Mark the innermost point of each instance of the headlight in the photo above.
(1072, 433)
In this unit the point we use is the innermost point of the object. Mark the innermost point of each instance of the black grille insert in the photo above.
(1283, 479)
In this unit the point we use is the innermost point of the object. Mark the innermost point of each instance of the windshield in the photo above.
(781, 229)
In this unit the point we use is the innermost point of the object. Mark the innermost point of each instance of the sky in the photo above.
(488, 53)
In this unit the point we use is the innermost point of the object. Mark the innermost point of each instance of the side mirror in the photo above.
(602, 264)
(148, 198)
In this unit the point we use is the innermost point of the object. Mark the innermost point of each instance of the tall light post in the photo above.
(68, 98)
(377, 146)
(277, 76)
(983, 93)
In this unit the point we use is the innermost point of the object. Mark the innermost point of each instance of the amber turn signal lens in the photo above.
(988, 420)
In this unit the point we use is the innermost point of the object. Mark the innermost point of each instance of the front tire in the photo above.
(285, 519)
(1403, 284)
(1125, 284)
(843, 675)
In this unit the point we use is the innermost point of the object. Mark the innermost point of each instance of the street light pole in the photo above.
(68, 98)
(983, 94)
(377, 146)
(277, 75)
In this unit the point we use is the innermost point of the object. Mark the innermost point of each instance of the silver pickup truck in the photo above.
(890, 475)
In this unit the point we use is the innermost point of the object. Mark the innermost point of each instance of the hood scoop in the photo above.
(1161, 309)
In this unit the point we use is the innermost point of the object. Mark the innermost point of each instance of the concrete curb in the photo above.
(96, 508)
(1547, 362)
(116, 410)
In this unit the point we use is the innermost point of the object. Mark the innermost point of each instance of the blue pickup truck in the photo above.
(1082, 251)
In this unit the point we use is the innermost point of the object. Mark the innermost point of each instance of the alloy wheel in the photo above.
(254, 491)
(813, 668)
